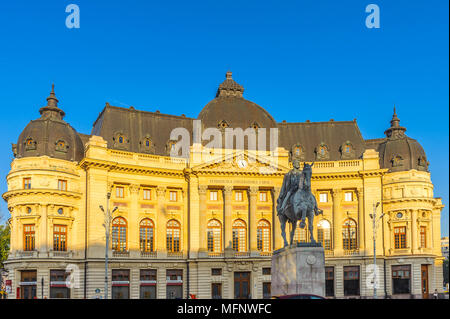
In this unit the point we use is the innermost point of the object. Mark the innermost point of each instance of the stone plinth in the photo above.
(298, 269)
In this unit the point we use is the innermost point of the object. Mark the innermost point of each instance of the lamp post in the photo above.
(107, 225)
(374, 226)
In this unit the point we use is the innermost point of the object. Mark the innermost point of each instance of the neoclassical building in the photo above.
(205, 224)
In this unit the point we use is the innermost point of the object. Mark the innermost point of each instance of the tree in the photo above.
(4, 243)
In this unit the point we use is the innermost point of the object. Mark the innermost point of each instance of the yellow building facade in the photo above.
(205, 226)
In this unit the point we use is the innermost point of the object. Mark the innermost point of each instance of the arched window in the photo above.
(173, 236)
(214, 236)
(146, 235)
(324, 234)
(301, 235)
(349, 233)
(263, 236)
(119, 234)
(239, 236)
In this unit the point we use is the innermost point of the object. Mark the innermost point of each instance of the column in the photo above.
(361, 220)
(43, 230)
(228, 233)
(133, 222)
(202, 190)
(337, 221)
(414, 237)
(161, 221)
(276, 227)
(252, 192)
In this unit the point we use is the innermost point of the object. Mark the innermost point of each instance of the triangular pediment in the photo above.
(242, 162)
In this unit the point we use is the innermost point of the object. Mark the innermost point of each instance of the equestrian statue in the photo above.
(296, 201)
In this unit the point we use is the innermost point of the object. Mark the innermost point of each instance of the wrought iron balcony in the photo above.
(149, 254)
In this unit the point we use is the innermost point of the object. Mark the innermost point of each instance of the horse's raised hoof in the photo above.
(302, 224)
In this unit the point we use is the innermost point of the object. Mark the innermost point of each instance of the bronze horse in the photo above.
(301, 204)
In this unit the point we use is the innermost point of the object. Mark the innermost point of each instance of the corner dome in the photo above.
(230, 109)
(50, 135)
(399, 152)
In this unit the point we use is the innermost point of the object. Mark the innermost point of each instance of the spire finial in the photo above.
(52, 109)
(229, 87)
(395, 131)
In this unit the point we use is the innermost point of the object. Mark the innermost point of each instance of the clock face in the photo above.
(242, 163)
(399, 215)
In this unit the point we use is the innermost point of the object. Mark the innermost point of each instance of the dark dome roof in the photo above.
(229, 108)
(399, 152)
(50, 135)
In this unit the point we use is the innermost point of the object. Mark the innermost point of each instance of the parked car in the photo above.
(300, 296)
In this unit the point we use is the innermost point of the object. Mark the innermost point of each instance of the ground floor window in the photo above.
(401, 279)
(120, 284)
(174, 279)
(147, 284)
(147, 292)
(28, 283)
(266, 290)
(351, 280)
(216, 290)
(58, 285)
(329, 281)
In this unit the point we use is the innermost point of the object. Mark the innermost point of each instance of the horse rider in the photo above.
(291, 183)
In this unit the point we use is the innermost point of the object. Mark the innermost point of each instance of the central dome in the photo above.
(230, 109)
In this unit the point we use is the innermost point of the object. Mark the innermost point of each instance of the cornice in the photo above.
(40, 191)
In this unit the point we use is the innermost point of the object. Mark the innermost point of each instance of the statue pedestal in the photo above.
(298, 269)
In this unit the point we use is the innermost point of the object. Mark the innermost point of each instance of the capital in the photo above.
(134, 188)
(228, 190)
(253, 190)
(202, 189)
(160, 191)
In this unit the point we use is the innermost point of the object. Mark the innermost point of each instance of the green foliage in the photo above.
(4, 243)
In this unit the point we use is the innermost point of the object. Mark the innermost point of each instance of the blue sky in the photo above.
(300, 60)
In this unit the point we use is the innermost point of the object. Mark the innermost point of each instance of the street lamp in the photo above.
(374, 226)
(107, 225)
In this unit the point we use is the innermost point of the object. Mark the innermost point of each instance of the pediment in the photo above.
(242, 163)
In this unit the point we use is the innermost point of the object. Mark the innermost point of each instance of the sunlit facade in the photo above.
(207, 227)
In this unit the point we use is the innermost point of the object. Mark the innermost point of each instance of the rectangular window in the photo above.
(423, 237)
(119, 192)
(27, 183)
(266, 270)
(238, 196)
(58, 285)
(329, 281)
(147, 194)
(28, 237)
(62, 185)
(59, 237)
(263, 196)
(401, 279)
(173, 196)
(351, 280)
(323, 197)
(213, 195)
(266, 290)
(216, 272)
(400, 237)
(216, 290)
(120, 284)
(174, 288)
(28, 283)
(148, 284)
(348, 196)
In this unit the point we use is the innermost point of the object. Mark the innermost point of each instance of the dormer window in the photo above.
(322, 152)
(121, 140)
(30, 144)
(61, 146)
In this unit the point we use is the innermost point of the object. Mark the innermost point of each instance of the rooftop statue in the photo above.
(296, 201)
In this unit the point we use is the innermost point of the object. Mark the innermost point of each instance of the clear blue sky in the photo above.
(316, 57)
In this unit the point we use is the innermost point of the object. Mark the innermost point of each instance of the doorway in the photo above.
(424, 273)
(242, 285)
